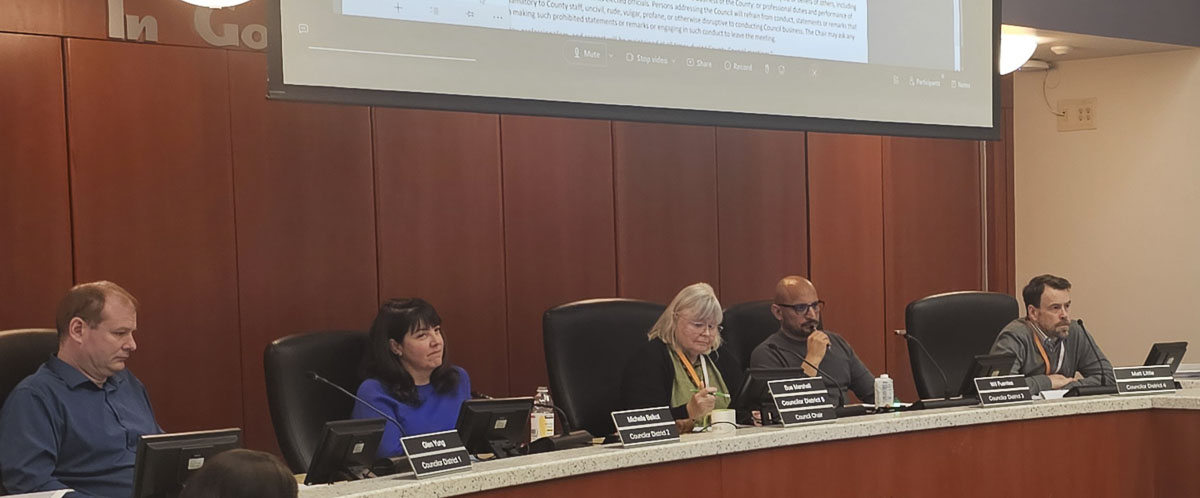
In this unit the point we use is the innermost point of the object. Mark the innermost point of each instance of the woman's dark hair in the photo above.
(241, 474)
(396, 319)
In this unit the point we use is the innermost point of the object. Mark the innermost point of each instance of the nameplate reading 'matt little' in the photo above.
(1003, 390)
(645, 426)
(1144, 380)
(802, 401)
(436, 453)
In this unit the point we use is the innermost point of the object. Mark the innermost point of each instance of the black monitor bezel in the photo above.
(1160, 349)
(978, 368)
(330, 457)
(755, 382)
(149, 444)
(476, 422)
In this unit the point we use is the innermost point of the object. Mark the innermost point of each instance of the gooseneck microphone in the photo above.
(1095, 351)
(921, 346)
(313, 375)
(841, 390)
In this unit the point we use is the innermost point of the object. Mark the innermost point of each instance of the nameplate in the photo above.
(1003, 390)
(436, 453)
(1144, 380)
(802, 401)
(645, 426)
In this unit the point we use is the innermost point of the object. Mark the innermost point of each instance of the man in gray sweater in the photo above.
(1052, 351)
(798, 310)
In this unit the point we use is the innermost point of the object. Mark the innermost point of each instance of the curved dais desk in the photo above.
(1101, 446)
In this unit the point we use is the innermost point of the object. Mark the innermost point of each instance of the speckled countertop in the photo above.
(546, 466)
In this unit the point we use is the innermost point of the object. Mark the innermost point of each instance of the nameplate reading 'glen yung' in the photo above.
(436, 453)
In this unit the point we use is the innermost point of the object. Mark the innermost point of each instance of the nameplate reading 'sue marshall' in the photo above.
(1144, 380)
(802, 401)
(1003, 390)
(436, 453)
(645, 426)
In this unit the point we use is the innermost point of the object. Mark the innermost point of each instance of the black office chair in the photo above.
(22, 351)
(746, 326)
(299, 405)
(587, 346)
(955, 327)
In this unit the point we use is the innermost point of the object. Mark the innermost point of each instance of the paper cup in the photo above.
(719, 419)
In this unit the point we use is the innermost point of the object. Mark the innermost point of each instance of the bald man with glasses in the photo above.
(798, 309)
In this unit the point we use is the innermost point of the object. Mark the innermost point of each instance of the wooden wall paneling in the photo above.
(762, 211)
(440, 229)
(1176, 458)
(151, 184)
(558, 229)
(666, 208)
(305, 210)
(845, 183)
(35, 208)
(55, 17)
(931, 229)
(1000, 229)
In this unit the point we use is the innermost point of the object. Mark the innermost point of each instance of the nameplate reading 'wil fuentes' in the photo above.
(436, 453)
(1003, 390)
(645, 426)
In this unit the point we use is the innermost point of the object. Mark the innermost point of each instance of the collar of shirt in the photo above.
(73, 378)
(1049, 342)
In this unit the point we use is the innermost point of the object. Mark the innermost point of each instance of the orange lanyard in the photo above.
(1037, 341)
(691, 371)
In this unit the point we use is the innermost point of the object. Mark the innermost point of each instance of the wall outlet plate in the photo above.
(1077, 114)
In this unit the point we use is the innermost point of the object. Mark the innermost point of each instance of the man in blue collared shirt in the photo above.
(75, 423)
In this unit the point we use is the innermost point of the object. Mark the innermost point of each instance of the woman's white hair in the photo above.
(698, 302)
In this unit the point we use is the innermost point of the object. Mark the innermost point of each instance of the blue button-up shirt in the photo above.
(60, 430)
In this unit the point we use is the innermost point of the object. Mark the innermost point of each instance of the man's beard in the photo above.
(807, 328)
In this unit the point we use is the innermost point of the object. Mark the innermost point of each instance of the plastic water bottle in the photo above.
(541, 418)
(884, 395)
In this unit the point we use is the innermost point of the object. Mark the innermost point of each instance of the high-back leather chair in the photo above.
(746, 326)
(22, 351)
(955, 327)
(587, 346)
(299, 405)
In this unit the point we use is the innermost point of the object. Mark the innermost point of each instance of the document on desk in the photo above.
(1053, 393)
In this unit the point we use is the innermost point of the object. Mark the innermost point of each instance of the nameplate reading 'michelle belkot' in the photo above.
(1144, 380)
(436, 453)
(645, 426)
(1002, 390)
(802, 401)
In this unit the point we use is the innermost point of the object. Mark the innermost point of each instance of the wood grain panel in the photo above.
(666, 208)
(1001, 250)
(558, 229)
(845, 175)
(698, 478)
(931, 231)
(151, 182)
(86, 19)
(763, 211)
(305, 209)
(1171, 437)
(440, 229)
(35, 208)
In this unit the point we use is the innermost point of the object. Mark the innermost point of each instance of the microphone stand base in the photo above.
(930, 404)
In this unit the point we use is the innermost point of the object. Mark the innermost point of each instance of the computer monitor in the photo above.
(346, 451)
(165, 461)
(1167, 353)
(754, 393)
(495, 426)
(986, 365)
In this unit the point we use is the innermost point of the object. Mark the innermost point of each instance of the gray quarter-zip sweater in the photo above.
(1018, 338)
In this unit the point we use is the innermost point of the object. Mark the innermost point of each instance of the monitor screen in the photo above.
(346, 451)
(917, 67)
(494, 426)
(987, 365)
(165, 461)
(754, 391)
(1167, 353)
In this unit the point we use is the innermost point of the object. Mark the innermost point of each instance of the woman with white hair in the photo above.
(679, 366)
